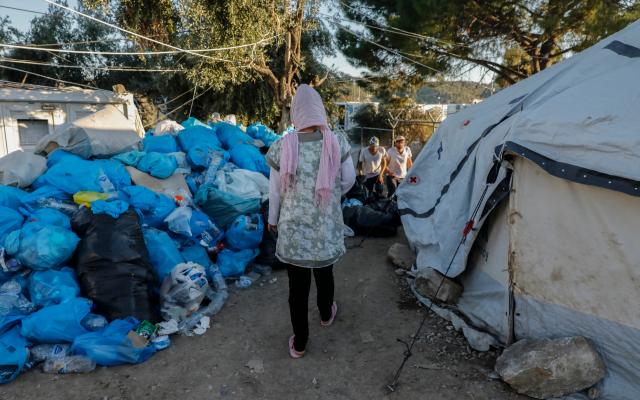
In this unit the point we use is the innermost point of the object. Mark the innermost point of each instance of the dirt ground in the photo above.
(244, 354)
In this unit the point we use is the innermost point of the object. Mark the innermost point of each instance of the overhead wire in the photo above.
(388, 49)
(105, 68)
(50, 78)
(177, 49)
(166, 115)
(24, 10)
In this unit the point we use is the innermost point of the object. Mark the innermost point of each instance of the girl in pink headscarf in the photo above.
(310, 170)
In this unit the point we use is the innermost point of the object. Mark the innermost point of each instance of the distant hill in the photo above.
(452, 92)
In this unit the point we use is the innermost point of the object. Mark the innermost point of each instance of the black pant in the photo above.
(392, 185)
(299, 286)
(370, 184)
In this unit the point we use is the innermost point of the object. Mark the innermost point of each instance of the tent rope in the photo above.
(391, 387)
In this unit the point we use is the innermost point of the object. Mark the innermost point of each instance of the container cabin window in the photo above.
(32, 130)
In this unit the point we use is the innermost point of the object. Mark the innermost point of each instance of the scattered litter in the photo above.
(256, 366)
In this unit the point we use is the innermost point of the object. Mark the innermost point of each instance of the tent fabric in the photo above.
(561, 243)
(557, 113)
(102, 134)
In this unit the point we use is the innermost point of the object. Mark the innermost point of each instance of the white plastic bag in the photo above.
(178, 221)
(167, 127)
(20, 168)
(243, 183)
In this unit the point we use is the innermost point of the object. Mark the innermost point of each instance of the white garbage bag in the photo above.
(20, 168)
(167, 127)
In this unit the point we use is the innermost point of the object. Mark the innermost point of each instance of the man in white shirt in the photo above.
(372, 162)
(398, 163)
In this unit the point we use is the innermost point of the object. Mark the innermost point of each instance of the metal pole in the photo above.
(361, 137)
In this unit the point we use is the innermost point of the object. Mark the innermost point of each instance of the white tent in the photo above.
(548, 170)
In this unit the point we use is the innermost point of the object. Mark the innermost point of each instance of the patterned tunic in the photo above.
(307, 236)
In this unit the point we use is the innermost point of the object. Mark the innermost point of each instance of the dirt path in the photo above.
(351, 360)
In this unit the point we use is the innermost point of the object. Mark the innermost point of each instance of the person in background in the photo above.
(310, 170)
(372, 163)
(231, 118)
(215, 118)
(398, 163)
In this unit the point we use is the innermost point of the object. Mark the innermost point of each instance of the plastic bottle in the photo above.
(94, 322)
(105, 184)
(217, 302)
(215, 277)
(161, 342)
(243, 282)
(69, 365)
(43, 352)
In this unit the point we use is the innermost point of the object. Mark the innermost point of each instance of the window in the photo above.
(32, 130)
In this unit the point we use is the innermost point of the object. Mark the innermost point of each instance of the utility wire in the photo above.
(177, 49)
(166, 115)
(48, 77)
(123, 69)
(388, 49)
(22, 9)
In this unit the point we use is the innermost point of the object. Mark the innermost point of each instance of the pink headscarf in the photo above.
(307, 110)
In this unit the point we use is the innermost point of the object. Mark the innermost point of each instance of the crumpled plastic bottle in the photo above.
(43, 352)
(12, 301)
(244, 282)
(69, 365)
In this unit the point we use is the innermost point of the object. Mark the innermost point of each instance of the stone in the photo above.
(427, 282)
(401, 256)
(552, 367)
(256, 365)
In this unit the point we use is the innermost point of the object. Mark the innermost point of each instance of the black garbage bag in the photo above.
(366, 221)
(387, 206)
(359, 191)
(113, 267)
(267, 248)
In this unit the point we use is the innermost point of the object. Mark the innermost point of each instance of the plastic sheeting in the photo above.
(102, 134)
(20, 168)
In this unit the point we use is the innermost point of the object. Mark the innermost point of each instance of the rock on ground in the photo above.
(427, 282)
(551, 368)
(401, 256)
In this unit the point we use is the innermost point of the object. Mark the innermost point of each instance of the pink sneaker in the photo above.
(334, 311)
(292, 351)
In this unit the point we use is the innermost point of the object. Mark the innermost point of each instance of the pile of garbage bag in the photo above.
(369, 215)
(110, 243)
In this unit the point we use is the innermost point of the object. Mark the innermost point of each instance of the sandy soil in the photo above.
(244, 354)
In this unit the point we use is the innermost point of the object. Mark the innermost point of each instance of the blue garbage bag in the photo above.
(198, 135)
(163, 252)
(11, 197)
(10, 220)
(235, 263)
(59, 155)
(245, 232)
(50, 216)
(249, 157)
(40, 246)
(13, 354)
(115, 208)
(31, 201)
(158, 165)
(232, 136)
(160, 144)
(152, 206)
(57, 323)
(263, 133)
(197, 254)
(111, 346)
(116, 172)
(192, 121)
(201, 156)
(53, 287)
(194, 180)
(222, 207)
(72, 175)
(130, 158)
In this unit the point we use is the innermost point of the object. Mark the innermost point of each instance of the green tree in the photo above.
(514, 39)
